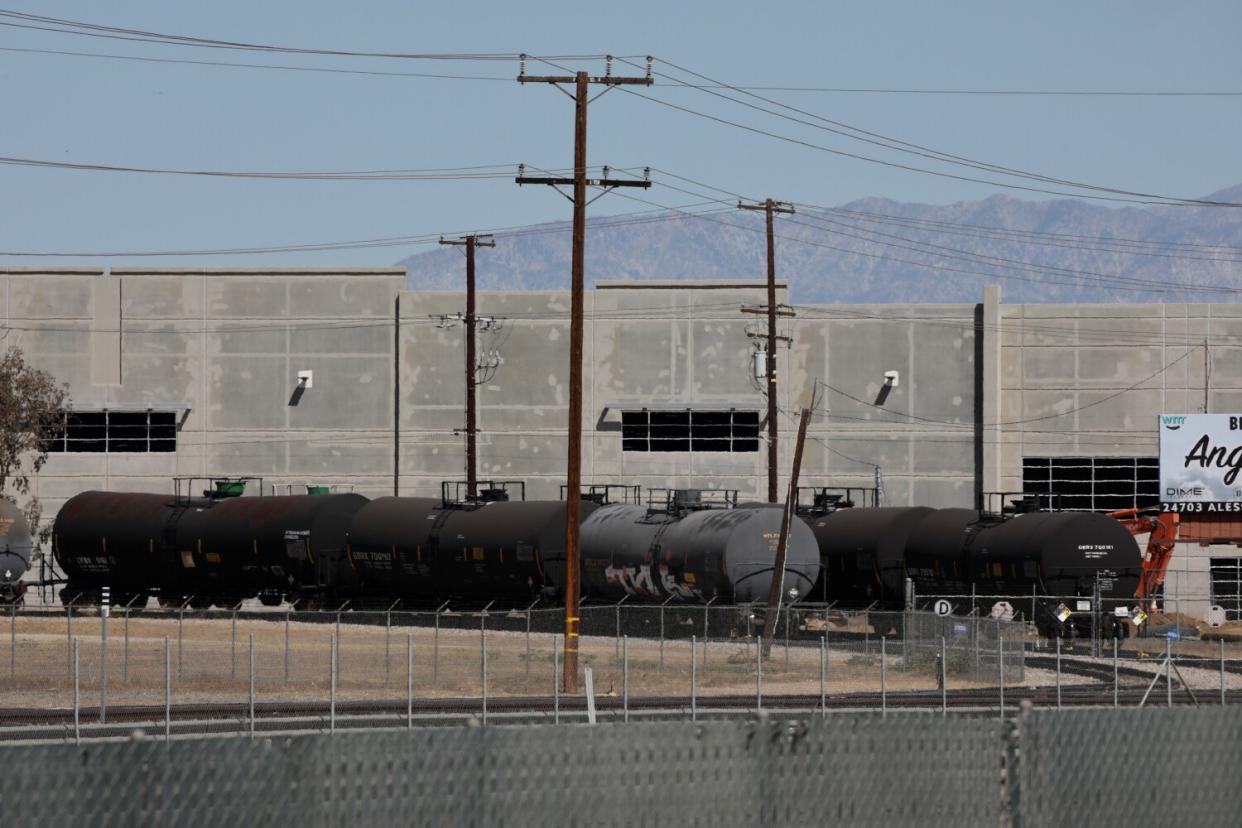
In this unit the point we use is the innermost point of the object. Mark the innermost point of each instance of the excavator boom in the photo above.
(1161, 529)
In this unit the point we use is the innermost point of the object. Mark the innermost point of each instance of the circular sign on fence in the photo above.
(943, 607)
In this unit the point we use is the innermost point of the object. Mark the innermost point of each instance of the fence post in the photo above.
(77, 733)
(786, 639)
(662, 636)
(694, 677)
(883, 676)
(944, 678)
(409, 680)
(1058, 669)
(1000, 663)
(1168, 671)
(616, 641)
(1115, 675)
(483, 659)
(125, 649)
(104, 610)
(625, 678)
(528, 642)
(77, 705)
(556, 682)
(435, 651)
(823, 676)
(233, 646)
(180, 636)
(974, 630)
(1222, 672)
(252, 685)
(287, 613)
(759, 673)
(13, 643)
(167, 690)
(332, 686)
(69, 639)
(387, 644)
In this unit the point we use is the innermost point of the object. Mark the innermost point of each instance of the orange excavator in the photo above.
(1161, 528)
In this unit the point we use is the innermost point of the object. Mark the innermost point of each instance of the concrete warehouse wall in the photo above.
(981, 385)
(680, 344)
(222, 348)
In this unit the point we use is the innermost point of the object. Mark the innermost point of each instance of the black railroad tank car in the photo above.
(115, 539)
(1059, 553)
(862, 552)
(726, 555)
(16, 545)
(275, 548)
(206, 550)
(869, 553)
(426, 549)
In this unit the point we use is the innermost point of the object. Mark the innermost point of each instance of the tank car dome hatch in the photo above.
(16, 546)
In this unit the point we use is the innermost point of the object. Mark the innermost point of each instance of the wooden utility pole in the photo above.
(470, 243)
(573, 488)
(776, 590)
(771, 208)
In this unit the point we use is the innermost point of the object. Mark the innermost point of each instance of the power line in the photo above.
(480, 171)
(877, 139)
(84, 29)
(270, 66)
(1120, 282)
(872, 90)
(1008, 423)
(624, 220)
(985, 230)
(1115, 282)
(923, 170)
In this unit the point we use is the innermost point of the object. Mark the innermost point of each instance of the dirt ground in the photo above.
(209, 662)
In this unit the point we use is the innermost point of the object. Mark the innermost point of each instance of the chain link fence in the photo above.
(457, 659)
(1126, 767)
(69, 671)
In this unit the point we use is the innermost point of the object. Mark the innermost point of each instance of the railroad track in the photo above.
(540, 707)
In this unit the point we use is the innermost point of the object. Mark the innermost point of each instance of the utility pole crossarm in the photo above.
(590, 182)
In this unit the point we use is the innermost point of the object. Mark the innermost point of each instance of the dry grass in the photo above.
(209, 665)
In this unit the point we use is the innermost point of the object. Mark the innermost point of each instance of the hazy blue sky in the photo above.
(92, 110)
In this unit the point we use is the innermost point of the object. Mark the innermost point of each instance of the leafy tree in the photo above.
(32, 406)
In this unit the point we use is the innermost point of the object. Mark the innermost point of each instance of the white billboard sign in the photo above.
(1201, 462)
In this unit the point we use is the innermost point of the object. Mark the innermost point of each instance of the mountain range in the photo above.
(878, 250)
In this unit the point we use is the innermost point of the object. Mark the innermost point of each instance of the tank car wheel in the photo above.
(271, 598)
(170, 601)
(197, 602)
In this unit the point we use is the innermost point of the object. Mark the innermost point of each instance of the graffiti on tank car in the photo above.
(634, 580)
(672, 586)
